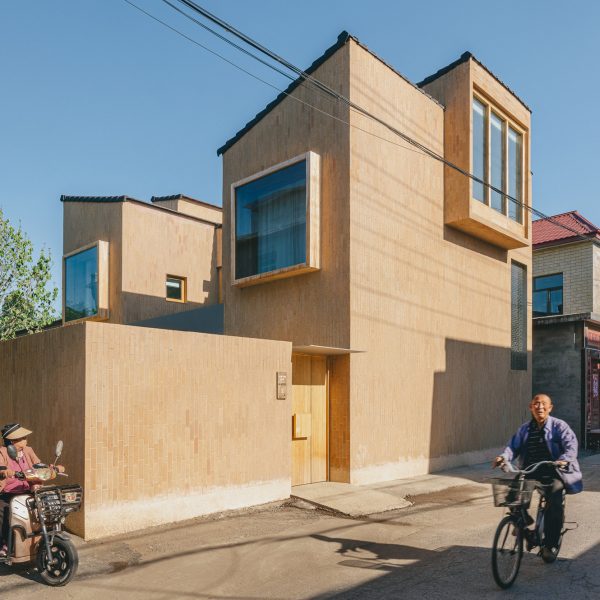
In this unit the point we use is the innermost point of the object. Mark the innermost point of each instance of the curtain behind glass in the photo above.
(271, 222)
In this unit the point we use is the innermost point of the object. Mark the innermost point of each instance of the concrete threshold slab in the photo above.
(348, 499)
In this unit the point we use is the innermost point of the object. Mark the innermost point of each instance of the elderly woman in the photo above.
(14, 434)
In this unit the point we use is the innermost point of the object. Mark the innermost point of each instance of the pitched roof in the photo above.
(117, 199)
(563, 228)
(184, 197)
(464, 58)
(343, 38)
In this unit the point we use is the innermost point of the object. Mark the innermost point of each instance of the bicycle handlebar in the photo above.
(508, 467)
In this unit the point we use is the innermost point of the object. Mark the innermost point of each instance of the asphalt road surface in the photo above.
(438, 548)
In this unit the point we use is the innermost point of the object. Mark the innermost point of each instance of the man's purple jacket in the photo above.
(561, 442)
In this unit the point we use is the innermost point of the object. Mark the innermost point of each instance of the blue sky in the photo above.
(98, 99)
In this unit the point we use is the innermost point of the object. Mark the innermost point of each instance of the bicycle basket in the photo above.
(512, 492)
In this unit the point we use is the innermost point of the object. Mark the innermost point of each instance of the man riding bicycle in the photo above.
(545, 438)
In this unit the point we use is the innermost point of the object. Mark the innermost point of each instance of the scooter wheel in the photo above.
(64, 566)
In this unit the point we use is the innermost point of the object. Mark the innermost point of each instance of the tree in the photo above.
(26, 300)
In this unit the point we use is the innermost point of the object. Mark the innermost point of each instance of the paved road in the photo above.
(439, 548)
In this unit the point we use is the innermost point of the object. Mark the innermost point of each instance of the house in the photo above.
(566, 320)
(376, 303)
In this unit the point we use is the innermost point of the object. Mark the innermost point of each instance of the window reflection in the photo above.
(497, 161)
(81, 284)
(478, 142)
(270, 222)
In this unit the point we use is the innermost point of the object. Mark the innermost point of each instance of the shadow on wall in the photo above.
(206, 319)
(478, 401)
(140, 307)
(474, 244)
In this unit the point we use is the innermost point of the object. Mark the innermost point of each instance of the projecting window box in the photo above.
(85, 283)
(275, 229)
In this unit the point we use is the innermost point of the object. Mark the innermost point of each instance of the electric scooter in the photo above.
(36, 521)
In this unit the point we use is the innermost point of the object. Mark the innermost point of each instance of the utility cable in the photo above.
(428, 151)
(421, 148)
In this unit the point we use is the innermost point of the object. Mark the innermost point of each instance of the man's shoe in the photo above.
(549, 554)
(529, 536)
(4, 551)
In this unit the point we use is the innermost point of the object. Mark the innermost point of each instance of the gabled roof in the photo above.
(561, 229)
(184, 197)
(463, 59)
(342, 39)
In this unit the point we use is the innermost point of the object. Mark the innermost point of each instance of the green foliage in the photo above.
(25, 298)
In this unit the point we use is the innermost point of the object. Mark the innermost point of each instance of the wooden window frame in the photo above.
(183, 280)
(313, 222)
(508, 123)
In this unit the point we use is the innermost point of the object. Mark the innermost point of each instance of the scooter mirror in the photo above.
(59, 449)
(12, 451)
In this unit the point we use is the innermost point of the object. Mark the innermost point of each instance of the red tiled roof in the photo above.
(562, 228)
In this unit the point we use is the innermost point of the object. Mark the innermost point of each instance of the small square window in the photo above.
(175, 288)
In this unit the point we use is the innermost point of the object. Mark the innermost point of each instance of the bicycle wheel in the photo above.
(507, 552)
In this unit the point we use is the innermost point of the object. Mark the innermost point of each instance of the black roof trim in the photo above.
(118, 199)
(184, 197)
(464, 57)
(342, 39)
(65, 198)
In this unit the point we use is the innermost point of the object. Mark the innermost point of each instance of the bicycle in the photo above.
(515, 494)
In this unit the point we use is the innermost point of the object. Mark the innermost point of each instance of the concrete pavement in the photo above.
(437, 548)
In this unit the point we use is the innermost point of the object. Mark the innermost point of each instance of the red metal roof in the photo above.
(562, 228)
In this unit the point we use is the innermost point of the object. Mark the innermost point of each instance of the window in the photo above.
(518, 320)
(85, 281)
(497, 159)
(176, 291)
(479, 146)
(548, 295)
(275, 228)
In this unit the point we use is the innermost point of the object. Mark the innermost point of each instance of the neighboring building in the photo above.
(375, 302)
(566, 320)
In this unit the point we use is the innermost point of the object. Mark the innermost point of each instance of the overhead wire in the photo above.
(420, 148)
(320, 85)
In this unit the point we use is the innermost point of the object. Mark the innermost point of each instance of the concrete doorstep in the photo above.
(347, 499)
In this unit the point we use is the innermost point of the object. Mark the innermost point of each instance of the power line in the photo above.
(422, 149)
(295, 98)
(426, 150)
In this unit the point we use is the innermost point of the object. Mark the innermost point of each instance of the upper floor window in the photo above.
(518, 317)
(176, 288)
(548, 295)
(85, 293)
(276, 221)
(497, 159)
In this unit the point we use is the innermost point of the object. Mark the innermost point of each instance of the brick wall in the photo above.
(577, 263)
(159, 426)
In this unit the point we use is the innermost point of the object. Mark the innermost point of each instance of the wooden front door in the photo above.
(309, 419)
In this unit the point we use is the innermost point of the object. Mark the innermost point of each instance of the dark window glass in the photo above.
(175, 288)
(81, 285)
(515, 175)
(548, 295)
(478, 149)
(518, 347)
(497, 161)
(270, 222)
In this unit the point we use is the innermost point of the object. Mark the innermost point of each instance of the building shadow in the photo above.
(478, 403)
(457, 571)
